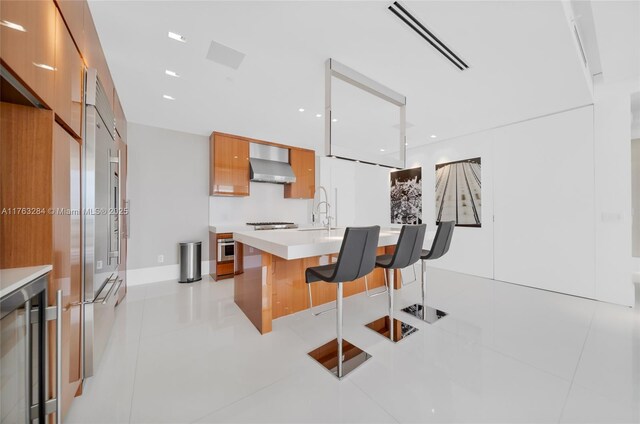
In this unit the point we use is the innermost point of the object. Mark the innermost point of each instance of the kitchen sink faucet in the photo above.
(327, 207)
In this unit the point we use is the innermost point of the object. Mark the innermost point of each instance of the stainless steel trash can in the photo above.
(190, 261)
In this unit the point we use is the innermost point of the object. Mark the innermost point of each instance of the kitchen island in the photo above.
(271, 264)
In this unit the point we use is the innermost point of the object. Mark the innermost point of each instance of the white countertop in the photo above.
(296, 243)
(12, 279)
(234, 228)
(230, 228)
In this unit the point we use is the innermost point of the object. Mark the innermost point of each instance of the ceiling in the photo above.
(522, 58)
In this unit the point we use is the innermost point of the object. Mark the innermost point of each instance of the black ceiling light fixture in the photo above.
(397, 9)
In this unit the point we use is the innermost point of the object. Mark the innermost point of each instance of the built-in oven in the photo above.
(226, 249)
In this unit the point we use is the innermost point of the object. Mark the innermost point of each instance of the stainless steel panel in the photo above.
(267, 152)
(101, 222)
(16, 394)
(222, 250)
(270, 171)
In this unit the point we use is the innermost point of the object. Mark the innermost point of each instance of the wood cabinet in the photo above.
(25, 172)
(27, 43)
(230, 167)
(303, 163)
(229, 175)
(65, 181)
(68, 80)
(220, 269)
(73, 13)
(40, 172)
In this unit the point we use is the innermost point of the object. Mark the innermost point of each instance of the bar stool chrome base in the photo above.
(401, 330)
(430, 314)
(327, 356)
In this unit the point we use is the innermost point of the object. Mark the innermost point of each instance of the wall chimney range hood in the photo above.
(270, 164)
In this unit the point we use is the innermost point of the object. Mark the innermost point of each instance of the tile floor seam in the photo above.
(375, 402)
(133, 386)
(575, 371)
(478, 343)
(220, 408)
(165, 332)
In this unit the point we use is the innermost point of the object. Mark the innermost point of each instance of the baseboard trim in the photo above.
(140, 276)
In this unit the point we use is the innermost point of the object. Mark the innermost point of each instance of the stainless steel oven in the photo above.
(226, 249)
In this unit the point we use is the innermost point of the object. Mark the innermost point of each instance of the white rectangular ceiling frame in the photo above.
(336, 69)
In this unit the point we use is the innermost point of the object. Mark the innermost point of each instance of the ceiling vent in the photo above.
(224, 55)
(397, 9)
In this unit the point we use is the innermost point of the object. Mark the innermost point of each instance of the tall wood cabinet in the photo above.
(67, 258)
(69, 78)
(45, 46)
(40, 190)
(303, 163)
(230, 165)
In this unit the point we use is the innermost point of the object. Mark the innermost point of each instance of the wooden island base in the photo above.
(270, 287)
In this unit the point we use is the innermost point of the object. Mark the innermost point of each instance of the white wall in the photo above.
(471, 250)
(266, 202)
(559, 200)
(544, 203)
(358, 192)
(613, 193)
(168, 184)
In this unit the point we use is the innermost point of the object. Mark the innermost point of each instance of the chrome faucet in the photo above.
(327, 207)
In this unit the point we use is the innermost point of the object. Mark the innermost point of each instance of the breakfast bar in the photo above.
(271, 284)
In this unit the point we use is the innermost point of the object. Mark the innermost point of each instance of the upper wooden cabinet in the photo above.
(303, 163)
(27, 43)
(73, 13)
(229, 174)
(68, 79)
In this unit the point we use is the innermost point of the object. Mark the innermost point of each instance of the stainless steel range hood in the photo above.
(270, 164)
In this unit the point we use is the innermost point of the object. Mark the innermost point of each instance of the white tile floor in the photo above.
(506, 353)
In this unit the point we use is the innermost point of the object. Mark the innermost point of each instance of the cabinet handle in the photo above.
(28, 358)
(58, 357)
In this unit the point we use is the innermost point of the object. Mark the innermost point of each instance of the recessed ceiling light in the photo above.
(318, 115)
(433, 136)
(177, 37)
(12, 25)
(334, 120)
(44, 66)
(168, 97)
(301, 109)
(382, 150)
(172, 73)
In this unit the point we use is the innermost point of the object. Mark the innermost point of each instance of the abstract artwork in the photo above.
(459, 192)
(406, 196)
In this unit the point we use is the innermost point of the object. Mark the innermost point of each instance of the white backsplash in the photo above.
(266, 203)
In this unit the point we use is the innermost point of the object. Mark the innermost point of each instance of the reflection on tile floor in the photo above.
(183, 353)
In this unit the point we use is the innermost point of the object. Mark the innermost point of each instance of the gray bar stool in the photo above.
(440, 246)
(356, 259)
(408, 250)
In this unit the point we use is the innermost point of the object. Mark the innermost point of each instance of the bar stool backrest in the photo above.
(409, 246)
(357, 256)
(442, 241)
